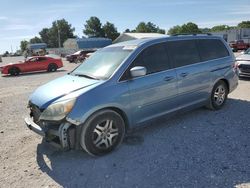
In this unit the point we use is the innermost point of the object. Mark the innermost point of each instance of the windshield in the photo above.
(103, 63)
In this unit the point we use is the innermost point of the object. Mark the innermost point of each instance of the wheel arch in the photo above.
(87, 115)
(13, 67)
(226, 82)
(117, 110)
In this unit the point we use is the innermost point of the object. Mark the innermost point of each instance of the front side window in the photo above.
(33, 59)
(103, 63)
(183, 52)
(154, 58)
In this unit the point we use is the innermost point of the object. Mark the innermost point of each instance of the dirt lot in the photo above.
(200, 148)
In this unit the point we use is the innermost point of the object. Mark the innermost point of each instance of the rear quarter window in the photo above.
(211, 49)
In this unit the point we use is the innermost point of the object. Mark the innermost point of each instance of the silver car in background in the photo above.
(243, 63)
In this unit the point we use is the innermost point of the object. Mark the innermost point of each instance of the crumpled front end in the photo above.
(61, 134)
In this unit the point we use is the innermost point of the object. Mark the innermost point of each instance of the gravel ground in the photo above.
(200, 148)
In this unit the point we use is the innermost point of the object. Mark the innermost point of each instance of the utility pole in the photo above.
(59, 37)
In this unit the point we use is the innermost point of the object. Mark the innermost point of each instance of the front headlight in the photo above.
(57, 111)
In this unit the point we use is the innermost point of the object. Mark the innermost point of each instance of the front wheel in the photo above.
(218, 96)
(102, 133)
(14, 71)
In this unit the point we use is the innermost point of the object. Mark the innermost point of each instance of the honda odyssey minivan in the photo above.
(129, 84)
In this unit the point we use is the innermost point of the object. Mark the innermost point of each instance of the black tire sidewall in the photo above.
(51, 67)
(213, 103)
(86, 139)
(14, 71)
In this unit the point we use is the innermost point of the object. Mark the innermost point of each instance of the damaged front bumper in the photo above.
(61, 135)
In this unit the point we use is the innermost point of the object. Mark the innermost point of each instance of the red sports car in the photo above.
(37, 63)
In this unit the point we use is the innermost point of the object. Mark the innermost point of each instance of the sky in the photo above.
(23, 19)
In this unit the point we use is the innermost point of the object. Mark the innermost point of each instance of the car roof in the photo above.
(139, 42)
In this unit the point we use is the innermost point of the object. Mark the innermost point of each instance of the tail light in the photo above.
(235, 66)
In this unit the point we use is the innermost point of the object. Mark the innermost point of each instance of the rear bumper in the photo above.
(62, 137)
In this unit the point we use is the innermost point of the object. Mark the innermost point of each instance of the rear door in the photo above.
(155, 93)
(192, 75)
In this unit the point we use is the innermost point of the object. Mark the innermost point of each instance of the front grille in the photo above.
(244, 68)
(35, 112)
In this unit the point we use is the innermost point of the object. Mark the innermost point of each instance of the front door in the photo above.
(155, 93)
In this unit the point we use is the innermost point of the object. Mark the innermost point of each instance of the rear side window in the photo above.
(211, 49)
(154, 58)
(183, 52)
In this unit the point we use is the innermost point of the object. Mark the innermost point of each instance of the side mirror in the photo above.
(138, 71)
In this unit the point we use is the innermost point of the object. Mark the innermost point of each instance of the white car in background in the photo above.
(243, 64)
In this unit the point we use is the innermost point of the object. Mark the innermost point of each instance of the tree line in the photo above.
(93, 27)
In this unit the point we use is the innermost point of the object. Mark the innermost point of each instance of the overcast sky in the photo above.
(21, 20)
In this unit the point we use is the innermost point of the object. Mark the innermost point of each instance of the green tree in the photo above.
(23, 45)
(188, 28)
(60, 29)
(110, 31)
(93, 28)
(149, 27)
(174, 30)
(142, 28)
(161, 31)
(218, 28)
(244, 24)
(44, 33)
(35, 40)
(127, 31)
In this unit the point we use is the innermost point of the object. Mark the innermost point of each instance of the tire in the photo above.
(14, 71)
(218, 96)
(102, 132)
(52, 68)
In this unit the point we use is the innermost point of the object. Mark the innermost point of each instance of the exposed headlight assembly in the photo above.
(58, 110)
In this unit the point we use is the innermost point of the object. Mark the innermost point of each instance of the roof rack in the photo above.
(191, 34)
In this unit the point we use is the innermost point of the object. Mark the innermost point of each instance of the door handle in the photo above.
(168, 78)
(184, 74)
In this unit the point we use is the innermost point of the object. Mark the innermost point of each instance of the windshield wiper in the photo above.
(87, 76)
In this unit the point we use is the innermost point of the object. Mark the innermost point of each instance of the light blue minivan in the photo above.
(128, 84)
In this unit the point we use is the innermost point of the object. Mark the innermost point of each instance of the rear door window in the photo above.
(211, 49)
(183, 52)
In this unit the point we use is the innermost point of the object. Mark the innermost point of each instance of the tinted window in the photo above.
(154, 58)
(211, 49)
(183, 52)
(42, 59)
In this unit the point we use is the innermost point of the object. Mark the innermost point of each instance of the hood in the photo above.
(243, 57)
(52, 91)
(10, 64)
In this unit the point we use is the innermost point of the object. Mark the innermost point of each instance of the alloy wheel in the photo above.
(105, 134)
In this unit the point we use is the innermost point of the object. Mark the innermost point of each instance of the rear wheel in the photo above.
(14, 71)
(102, 133)
(218, 96)
(52, 67)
